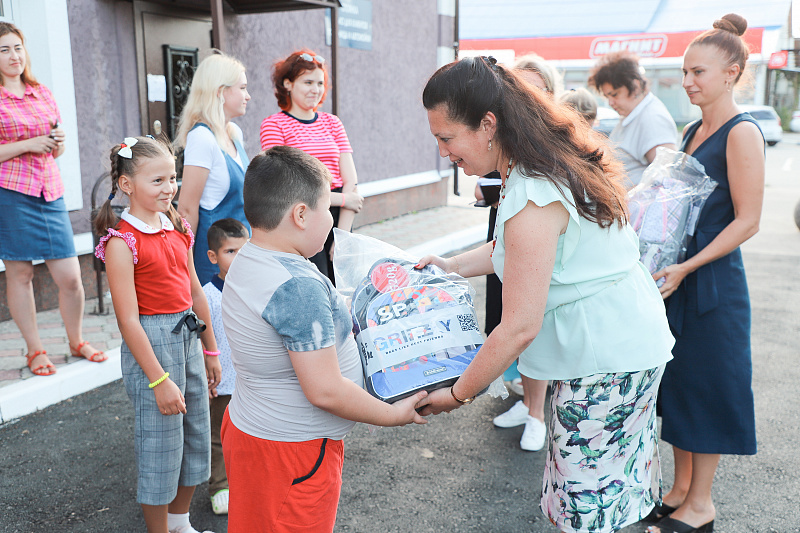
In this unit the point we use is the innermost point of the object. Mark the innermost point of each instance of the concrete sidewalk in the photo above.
(440, 230)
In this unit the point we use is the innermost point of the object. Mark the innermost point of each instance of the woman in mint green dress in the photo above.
(579, 308)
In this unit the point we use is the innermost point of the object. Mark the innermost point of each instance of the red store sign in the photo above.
(594, 46)
(779, 59)
(644, 46)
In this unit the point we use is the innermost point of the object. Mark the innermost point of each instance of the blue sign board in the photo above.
(355, 24)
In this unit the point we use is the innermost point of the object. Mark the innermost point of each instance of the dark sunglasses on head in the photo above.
(309, 57)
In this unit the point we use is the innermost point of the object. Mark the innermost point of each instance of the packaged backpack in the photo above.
(665, 206)
(416, 329)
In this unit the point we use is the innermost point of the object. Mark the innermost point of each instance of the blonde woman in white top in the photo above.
(214, 158)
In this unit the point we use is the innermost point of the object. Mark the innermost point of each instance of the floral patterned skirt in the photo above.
(602, 471)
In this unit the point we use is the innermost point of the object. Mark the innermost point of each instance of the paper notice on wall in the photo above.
(156, 88)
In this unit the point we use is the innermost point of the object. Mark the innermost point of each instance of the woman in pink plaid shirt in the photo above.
(31, 196)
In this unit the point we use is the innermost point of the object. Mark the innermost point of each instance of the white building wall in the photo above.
(46, 28)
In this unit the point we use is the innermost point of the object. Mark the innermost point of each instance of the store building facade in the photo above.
(658, 31)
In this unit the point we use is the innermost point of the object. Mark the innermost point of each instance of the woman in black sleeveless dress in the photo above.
(706, 394)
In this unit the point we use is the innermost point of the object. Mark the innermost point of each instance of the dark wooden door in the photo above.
(170, 42)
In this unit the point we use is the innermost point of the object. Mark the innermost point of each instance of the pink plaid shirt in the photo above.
(24, 118)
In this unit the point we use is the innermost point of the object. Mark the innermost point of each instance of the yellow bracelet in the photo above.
(159, 380)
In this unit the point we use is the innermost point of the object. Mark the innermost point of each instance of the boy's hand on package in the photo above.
(408, 408)
(169, 398)
(213, 371)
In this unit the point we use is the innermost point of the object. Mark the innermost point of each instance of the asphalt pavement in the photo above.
(70, 467)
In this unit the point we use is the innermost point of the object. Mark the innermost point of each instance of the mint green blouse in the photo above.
(604, 313)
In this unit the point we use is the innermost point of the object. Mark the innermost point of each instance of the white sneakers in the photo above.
(533, 438)
(219, 502)
(187, 528)
(516, 416)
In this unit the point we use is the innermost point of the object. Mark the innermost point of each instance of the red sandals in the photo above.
(96, 357)
(42, 370)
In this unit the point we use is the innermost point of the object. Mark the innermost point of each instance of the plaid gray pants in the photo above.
(170, 450)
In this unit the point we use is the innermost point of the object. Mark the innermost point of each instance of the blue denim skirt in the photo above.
(32, 228)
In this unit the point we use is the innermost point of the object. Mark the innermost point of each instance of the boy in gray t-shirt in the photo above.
(298, 375)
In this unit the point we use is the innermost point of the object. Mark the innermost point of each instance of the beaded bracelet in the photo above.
(159, 380)
(213, 354)
(343, 199)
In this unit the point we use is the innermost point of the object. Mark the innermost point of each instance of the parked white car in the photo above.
(768, 119)
(794, 125)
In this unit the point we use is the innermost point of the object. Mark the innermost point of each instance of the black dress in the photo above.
(494, 287)
(706, 392)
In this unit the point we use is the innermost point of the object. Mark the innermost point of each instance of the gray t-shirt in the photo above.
(647, 126)
(273, 302)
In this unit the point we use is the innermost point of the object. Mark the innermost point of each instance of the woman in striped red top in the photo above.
(300, 86)
(31, 197)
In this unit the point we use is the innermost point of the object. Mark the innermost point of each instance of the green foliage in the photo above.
(786, 104)
(786, 116)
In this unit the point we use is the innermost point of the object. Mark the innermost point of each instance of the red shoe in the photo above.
(96, 357)
(42, 370)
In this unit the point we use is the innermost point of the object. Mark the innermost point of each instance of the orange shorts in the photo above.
(281, 486)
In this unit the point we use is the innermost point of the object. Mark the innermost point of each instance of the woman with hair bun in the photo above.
(706, 394)
(214, 160)
(301, 84)
(645, 123)
(571, 276)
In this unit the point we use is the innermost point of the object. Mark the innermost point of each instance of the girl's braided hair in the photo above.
(145, 148)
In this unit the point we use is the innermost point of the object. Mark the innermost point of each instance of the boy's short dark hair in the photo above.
(223, 229)
(278, 179)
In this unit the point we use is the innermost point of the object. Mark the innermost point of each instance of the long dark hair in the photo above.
(547, 141)
(145, 148)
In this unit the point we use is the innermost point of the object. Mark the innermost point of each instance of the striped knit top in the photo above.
(323, 137)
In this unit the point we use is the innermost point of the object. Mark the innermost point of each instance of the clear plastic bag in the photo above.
(416, 329)
(665, 205)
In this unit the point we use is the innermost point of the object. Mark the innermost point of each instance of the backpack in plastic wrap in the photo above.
(416, 329)
(665, 205)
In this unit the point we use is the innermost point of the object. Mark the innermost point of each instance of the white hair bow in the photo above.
(125, 147)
